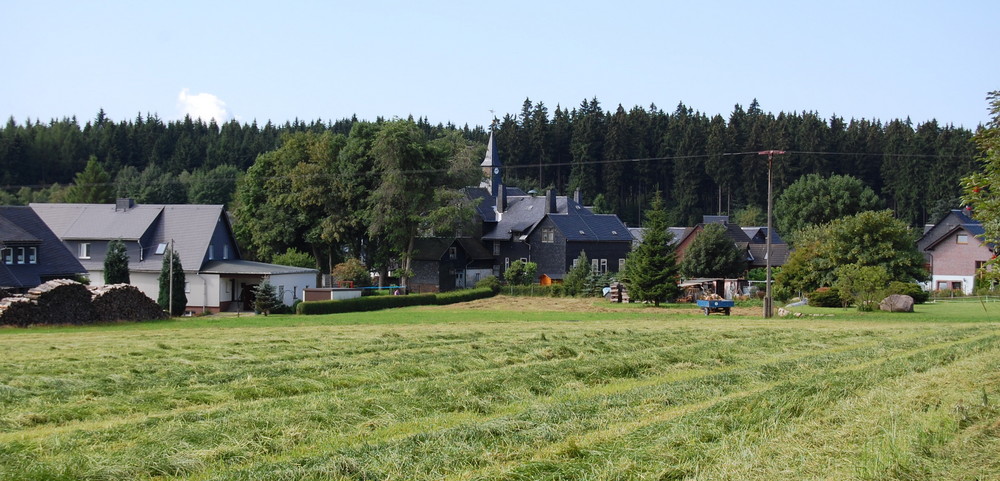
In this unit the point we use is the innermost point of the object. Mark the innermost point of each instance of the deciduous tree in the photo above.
(713, 254)
(815, 200)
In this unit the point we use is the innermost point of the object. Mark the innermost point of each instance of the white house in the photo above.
(218, 279)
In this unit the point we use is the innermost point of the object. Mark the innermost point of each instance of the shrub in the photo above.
(825, 297)
(489, 282)
(911, 289)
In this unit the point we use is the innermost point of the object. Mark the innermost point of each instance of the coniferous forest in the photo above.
(617, 158)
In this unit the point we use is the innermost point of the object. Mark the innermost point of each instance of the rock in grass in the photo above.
(897, 303)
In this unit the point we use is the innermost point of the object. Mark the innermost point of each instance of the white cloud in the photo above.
(204, 106)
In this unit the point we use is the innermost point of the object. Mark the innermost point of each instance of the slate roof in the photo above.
(524, 212)
(21, 225)
(956, 219)
(190, 226)
(240, 266)
(592, 227)
(434, 248)
(98, 221)
(758, 235)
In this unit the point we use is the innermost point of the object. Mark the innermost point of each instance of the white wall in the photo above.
(293, 284)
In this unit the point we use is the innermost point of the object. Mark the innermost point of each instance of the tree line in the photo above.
(617, 159)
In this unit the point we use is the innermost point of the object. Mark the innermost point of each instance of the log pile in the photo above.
(62, 301)
(17, 311)
(69, 302)
(123, 302)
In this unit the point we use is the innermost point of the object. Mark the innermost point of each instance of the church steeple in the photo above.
(491, 164)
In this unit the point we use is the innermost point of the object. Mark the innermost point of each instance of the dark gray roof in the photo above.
(758, 235)
(434, 248)
(97, 221)
(21, 225)
(954, 220)
(522, 214)
(240, 266)
(593, 227)
(190, 226)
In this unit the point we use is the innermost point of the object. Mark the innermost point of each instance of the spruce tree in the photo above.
(116, 263)
(265, 298)
(176, 307)
(651, 269)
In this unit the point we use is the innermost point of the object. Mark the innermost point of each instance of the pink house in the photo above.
(954, 252)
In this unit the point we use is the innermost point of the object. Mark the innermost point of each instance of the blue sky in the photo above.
(456, 61)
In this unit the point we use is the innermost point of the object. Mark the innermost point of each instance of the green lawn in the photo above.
(457, 393)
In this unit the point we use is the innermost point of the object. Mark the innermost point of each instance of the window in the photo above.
(32, 255)
(225, 251)
(604, 266)
(506, 263)
(452, 253)
(962, 239)
(621, 265)
(8, 256)
(20, 255)
(211, 252)
(548, 235)
(594, 265)
(84, 250)
(496, 248)
(957, 285)
(187, 287)
(160, 249)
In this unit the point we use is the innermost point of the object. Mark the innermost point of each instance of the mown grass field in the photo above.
(508, 389)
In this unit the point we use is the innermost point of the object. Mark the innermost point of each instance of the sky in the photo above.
(458, 61)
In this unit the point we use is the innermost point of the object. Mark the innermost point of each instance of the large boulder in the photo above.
(897, 303)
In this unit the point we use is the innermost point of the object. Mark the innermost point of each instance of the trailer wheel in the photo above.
(707, 311)
(727, 311)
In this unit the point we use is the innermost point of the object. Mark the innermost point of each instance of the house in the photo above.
(442, 264)
(752, 240)
(217, 278)
(549, 230)
(31, 254)
(954, 251)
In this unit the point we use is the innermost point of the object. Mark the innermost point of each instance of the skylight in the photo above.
(160, 249)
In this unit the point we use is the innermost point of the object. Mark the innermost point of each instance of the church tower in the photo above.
(491, 164)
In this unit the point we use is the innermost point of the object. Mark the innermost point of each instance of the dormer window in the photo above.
(8, 256)
(32, 255)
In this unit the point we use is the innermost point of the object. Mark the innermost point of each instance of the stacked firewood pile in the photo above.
(124, 302)
(68, 302)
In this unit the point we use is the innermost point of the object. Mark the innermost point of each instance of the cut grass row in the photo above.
(613, 399)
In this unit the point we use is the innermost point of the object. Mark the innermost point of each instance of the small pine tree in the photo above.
(176, 307)
(116, 263)
(265, 297)
(651, 269)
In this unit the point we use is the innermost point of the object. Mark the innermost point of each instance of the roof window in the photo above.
(160, 249)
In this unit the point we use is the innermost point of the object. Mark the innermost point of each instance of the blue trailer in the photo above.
(715, 305)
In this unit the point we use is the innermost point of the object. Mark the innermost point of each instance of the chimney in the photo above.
(501, 199)
(577, 197)
(550, 202)
(124, 205)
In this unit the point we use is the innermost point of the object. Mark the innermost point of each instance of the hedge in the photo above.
(376, 303)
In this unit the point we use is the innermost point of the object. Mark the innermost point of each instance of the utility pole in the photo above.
(170, 296)
(768, 300)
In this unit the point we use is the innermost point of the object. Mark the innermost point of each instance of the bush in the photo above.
(825, 297)
(489, 282)
(911, 289)
(377, 303)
